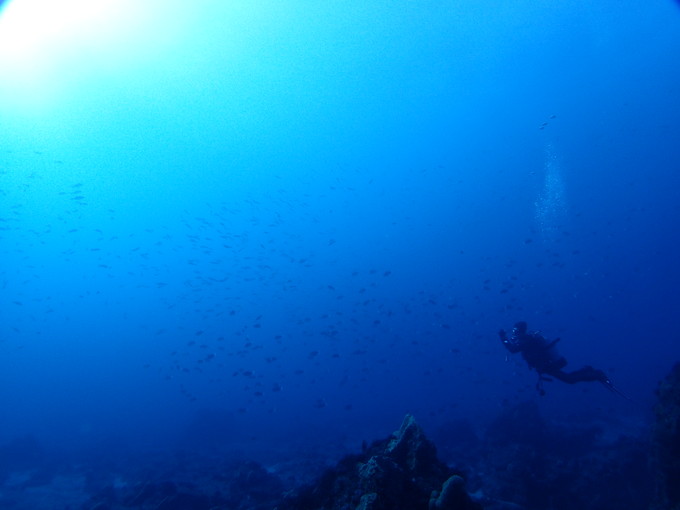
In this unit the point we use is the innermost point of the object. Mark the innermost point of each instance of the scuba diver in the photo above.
(541, 355)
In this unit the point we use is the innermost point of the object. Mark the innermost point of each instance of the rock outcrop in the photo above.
(535, 463)
(666, 443)
(399, 473)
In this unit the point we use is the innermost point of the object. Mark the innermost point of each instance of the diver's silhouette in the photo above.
(541, 355)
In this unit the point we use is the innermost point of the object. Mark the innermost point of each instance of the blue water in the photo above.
(296, 222)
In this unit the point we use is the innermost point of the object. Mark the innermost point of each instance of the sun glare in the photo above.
(46, 43)
(33, 29)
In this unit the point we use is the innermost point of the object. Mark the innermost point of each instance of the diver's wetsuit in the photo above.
(542, 356)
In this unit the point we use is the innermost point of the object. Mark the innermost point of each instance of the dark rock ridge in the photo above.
(666, 443)
(398, 473)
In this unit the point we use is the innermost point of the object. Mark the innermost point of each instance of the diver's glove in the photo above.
(503, 335)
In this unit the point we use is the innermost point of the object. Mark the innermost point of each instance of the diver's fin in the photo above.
(608, 384)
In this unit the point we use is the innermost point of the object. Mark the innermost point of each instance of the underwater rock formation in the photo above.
(452, 495)
(399, 473)
(536, 464)
(666, 443)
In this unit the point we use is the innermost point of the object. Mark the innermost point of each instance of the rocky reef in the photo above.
(398, 473)
(536, 464)
(666, 443)
(520, 461)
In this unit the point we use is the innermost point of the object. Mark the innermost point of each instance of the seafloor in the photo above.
(521, 461)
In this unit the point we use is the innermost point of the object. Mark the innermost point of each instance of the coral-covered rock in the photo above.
(399, 473)
(412, 450)
(452, 496)
(666, 443)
